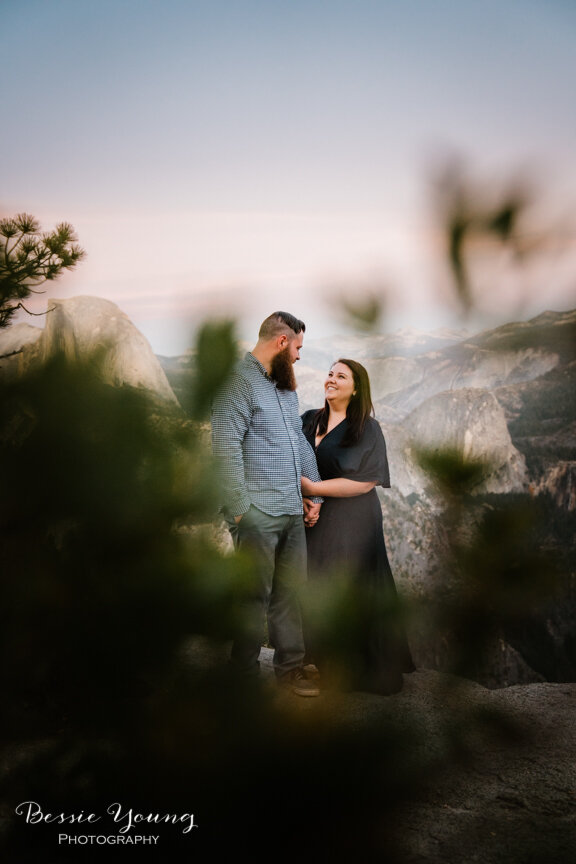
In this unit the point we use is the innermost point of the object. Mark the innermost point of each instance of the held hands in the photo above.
(311, 509)
(311, 512)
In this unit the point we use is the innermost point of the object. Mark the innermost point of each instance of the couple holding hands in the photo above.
(300, 496)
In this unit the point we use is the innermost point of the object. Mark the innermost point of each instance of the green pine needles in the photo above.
(30, 257)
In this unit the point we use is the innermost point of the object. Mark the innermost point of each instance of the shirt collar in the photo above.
(250, 358)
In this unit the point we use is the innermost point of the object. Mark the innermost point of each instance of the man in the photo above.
(258, 441)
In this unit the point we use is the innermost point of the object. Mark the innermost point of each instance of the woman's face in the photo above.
(339, 384)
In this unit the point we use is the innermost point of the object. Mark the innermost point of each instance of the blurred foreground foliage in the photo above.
(508, 582)
(118, 599)
(480, 221)
(111, 569)
(98, 588)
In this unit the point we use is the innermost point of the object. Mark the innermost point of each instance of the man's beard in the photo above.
(282, 371)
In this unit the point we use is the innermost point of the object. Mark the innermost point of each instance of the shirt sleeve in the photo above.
(308, 459)
(309, 466)
(231, 416)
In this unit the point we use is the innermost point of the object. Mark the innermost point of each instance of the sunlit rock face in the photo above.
(394, 374)
(400, 387)
(471, 424)
(16, 348)
(83, 328)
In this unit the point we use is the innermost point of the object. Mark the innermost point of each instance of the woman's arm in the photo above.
(339, 487)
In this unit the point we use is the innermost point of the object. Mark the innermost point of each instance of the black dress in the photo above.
(359, 629)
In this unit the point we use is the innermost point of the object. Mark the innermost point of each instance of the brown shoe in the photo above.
(311, 672)
(298, 682)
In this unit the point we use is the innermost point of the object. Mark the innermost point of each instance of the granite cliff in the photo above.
(89, 329)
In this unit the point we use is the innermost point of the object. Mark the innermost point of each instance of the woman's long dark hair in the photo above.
(359, 408)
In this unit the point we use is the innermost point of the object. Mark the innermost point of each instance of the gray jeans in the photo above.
(276, 546)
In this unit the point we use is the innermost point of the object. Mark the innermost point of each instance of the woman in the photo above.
(348, 564)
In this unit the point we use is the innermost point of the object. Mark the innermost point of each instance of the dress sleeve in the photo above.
(372, 464)
(308, 459)
(308, 422)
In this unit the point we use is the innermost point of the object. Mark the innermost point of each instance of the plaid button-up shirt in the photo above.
(259, 445)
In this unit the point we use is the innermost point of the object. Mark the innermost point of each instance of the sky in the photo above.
(227, 158)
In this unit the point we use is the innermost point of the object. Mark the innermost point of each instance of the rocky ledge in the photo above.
(498, 769)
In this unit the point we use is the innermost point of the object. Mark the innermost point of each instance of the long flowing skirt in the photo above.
(352, 614)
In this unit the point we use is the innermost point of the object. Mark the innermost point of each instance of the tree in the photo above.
(29, 257)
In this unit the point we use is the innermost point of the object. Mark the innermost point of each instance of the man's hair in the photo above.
(279, 323)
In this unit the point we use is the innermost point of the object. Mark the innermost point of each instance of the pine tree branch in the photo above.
(35, 314)
(11, 354)
(29, 258)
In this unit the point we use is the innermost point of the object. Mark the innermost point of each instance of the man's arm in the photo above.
(308, 463)
(231, 416)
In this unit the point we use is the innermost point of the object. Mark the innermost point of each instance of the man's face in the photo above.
(288, 353)
(294, 346)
